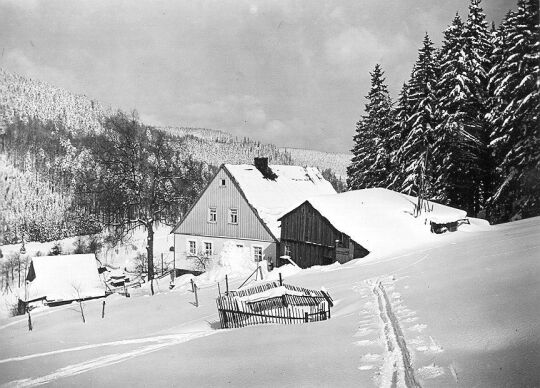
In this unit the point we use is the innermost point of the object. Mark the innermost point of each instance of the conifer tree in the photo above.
(515, 88)
(399, 131)
(370, 164)
(476, 131)
(414, 154)
(455, 149)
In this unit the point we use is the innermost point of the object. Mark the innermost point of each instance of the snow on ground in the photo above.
(121, 256)
(466, 307)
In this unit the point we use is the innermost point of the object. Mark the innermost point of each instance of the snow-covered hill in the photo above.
(27, 98)
(461, 310)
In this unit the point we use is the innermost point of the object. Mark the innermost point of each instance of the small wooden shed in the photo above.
(310, 239)
(63, 278)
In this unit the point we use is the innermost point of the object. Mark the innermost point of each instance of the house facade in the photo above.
(242, 204)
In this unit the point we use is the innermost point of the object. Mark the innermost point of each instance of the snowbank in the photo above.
(233, 261)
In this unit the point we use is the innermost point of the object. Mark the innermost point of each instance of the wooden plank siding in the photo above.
(223, 198)
(311, 238)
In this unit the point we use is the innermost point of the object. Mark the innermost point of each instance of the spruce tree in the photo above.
(475, 58)
(399, 132)
(370, 164)
(515, 88)
(414, 154)
(457, 145)
(449, 185)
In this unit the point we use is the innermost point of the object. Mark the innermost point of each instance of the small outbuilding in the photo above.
(350, 225)
(63, 278)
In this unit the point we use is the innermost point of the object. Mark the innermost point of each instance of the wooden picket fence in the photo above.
(313, 306)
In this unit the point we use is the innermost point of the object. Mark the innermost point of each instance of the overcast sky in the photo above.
(293, 73)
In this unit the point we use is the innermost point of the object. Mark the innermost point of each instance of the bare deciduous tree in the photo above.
(139, 178)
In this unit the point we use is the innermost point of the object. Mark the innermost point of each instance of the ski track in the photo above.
(93, 346)
(397, 368)
(99, 362)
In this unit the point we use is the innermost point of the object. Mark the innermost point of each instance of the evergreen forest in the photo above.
(464, 130)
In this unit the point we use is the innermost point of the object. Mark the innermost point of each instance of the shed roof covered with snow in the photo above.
(381, 219)
(63, 278)
(272, 198)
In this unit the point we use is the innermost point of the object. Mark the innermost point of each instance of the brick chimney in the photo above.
(261, 163)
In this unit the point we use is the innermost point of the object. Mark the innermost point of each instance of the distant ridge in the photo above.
(27, 98)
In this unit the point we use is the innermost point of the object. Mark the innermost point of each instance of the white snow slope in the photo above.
(461, 310)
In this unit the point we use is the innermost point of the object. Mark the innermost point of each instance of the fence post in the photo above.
(29, 320)
(280, 280)
(260, 271)
(219, 289)
(103, 310)
(192, 286)
(196, 297)
(306, 317)
(227, 285)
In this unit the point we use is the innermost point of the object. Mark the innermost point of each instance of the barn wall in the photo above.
(312, 239)
(309, 236)
(223, 198)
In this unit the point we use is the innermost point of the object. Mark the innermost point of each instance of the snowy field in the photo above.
(461, 310)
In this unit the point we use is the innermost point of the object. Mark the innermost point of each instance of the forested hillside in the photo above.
(465, 130)
(214, 145)
(46, 148)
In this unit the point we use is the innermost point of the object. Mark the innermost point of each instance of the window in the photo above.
(233, 216)
(287, 251)
(257, 253)
(239, 245)
(212, 214)
(222, 183)
(192, 248)
(208, 251)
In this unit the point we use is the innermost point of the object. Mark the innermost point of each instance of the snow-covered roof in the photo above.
(273, 198)
(64, 277)
(381, 220)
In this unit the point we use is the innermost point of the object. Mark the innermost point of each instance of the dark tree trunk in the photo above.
(150, 254)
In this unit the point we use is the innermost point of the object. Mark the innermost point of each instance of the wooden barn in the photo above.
(341, 227)
(309, 238)
(242, 204)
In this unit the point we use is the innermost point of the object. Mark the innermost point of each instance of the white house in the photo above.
(242, 204)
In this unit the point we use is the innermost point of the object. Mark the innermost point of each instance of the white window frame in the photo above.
(255, 256)
(206, 248)
(287, 250)
(190, 252)
(212, 211)
(231, 210)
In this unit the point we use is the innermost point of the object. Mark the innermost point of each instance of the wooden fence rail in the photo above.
(313, 306)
